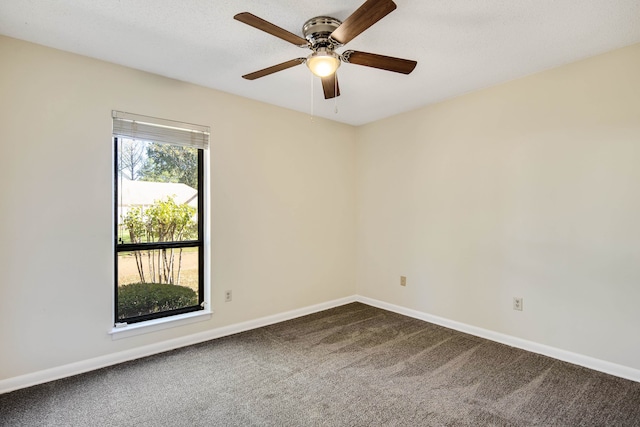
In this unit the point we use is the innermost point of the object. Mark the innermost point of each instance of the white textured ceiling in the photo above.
(460, 45)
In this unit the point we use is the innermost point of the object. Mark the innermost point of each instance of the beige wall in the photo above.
(283, 207)
(528, 189)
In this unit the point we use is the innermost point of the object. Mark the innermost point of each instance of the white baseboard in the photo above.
(83, 366)
(556, 353)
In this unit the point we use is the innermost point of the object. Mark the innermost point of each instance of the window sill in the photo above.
(159, 324)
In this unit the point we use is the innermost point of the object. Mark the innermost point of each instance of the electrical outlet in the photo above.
(403, 281)
(517, 303)
(227, 296)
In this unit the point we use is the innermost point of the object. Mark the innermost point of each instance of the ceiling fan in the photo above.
(323, 35)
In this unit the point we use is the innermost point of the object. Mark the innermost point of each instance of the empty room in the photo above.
(341, 213)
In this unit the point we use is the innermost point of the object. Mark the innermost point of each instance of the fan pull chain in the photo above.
(311, 96)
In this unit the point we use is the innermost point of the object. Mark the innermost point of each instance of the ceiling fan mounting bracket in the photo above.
(318, 31)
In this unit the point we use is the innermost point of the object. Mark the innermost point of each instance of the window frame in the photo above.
(128, 247)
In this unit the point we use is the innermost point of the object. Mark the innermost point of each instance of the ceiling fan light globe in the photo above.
(323, 64)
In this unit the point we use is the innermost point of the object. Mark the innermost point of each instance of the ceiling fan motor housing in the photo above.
(317, 31)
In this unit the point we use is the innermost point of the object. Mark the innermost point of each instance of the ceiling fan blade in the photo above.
(273, 69)
(268, 27)
(368, 14)
(330, 86)
(389, 63)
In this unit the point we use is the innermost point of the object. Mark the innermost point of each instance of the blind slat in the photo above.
(128, 125)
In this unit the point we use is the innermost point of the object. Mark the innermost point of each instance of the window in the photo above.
(159, 217)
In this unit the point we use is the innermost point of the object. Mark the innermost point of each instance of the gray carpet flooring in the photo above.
(353, 365)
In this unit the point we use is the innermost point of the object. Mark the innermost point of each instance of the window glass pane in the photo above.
(157, 280)
(157, 192)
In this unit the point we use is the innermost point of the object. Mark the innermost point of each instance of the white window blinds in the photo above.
(135, 126)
